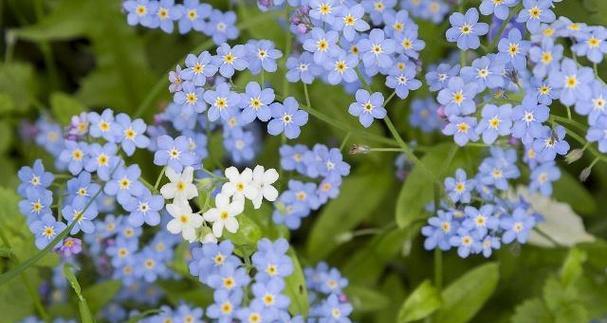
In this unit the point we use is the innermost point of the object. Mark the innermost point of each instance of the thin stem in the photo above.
(547, 237)
(345, 141)
(386, 149)
(405, 147)
(159, 178)
(389, 98)
(568, 112)
(438, 269)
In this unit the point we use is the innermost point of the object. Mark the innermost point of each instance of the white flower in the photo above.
(184, 222)
(180, 188)
(264, 179)
(240, 185)
(224, 214)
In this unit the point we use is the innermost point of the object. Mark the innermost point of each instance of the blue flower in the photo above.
(140, 12)
(240, 144)
(459, 188)
(190, 99)
(255, 103)
(46, 230)
(149, 266)
(439, 231)
(546, 57)
(480, 220)
(592, 44)
(332, 310)
(222, 26)
(166, 14)
(74, 155)
(535, 12)
(328, 188)
(303, 194)
(397, 23)
(496, 121)
(550, 143)
(528, 118)
(125, 183)
(34, 177)
(230, 58)
(321, 43)
(226, 305)
(210, 258)
(221, 101)
(229, 278)
(81, 186)
(289, 214)
(199, 68)
(324, 10)
(108, 227)
(341, 67)
(121, 252)
(424, 115)
(271, 260)
(131, 133)
(255, 312)
(350, 21)
(262, 56)
(497, 8)
(189, 314)
(438, 78)
(458, 97)
(403, 82)
(377, 9)
(410, 45)
(543, 176)
(573, 82)
(102, 126)
(462, 129)
(173, 153)
(144, 208)
(82, 211)
(302, 68)
(332, 282)
(465, 241)
(465, 29)
(367, 107)
(292, 158)
(287, 118)
(513, 49)
(326, 162)
(598, 133)
(268, 293)
(596, 105)
(517, 226)
(489, 244)
(485, 72)
(193, 15)
(37, 204)
(497, 169)
(102, 159)
(376, 50)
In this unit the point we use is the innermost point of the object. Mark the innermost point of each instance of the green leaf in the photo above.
(570, 190)
(572, 267)
(248, 231)
(358, 199)
(100, 294)
(7, 104)
(366, 299)
(532, 311)
(418, 189)
(15, 301)
(62, 23)
(463, 298)
(17, 81)
(85, 313)
(424, 300)
(295, 288)
(64, 107)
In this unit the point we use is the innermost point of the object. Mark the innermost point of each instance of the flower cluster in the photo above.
(326, 293)
(479, 216)
(301, 198)
(191, 15)
(260, 297)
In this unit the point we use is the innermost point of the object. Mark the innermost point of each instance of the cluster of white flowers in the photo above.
(254, 185)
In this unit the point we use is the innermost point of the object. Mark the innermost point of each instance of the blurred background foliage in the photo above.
(61, 57)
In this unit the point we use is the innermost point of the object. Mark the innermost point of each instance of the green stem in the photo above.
(438, 269)
(159, 178)
(405, 147)
(345, 141)
(389, 98)
(547, 237)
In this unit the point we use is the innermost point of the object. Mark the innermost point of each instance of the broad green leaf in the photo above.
(572, 267)
(7, 104)
(62, 23)
(366, 299)
(64, 107)
(532, 311)
(17, 80)
(6, 135)
(463, 298)
(100, 294)
(85, 313)
(15, 301)
(248, 232)
(568, 189)
(418, 188)
(360, 195)
(295, 288)
(423, 301)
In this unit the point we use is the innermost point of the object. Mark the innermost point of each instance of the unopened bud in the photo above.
(359, 149)
(585, 173)
(574, 155)
(344, 237)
